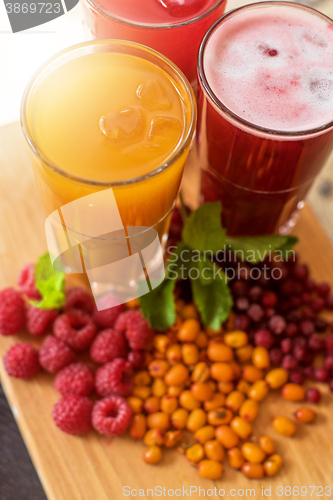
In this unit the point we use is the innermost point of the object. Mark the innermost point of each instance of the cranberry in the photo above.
(275, 356)
(307, 359)
(284, 306)
(305, 298)
(300, 352)
(316, 343)
(263, 338)
(277, 324)
(242, 304)
(286, 345)
(329, 343)
(269, 312)
(306, 327)
(242, 322)
(321, 374)
(313, 395)
(310, 285)
(309, 372)
(317, 304)
(296, 377)
(294, 316)
(289, 362)
(288, 287)
(328, 363)
(255, 312)
(331, 384)
(323, 289)
(321, 324)
(308, 313)
(244, 273)
(269, 299)
(295, 302)
(240, 288)
(301, 272)
(291, 330)
(255, 293)
(329, 302)
(291, 260)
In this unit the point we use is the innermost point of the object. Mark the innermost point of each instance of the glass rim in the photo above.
(128, 22)
(219, 104)
(183, 143)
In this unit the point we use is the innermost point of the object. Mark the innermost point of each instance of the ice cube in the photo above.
(165, 131)
(128, 125)
(322, 88)
(153, 96)
(183, 8)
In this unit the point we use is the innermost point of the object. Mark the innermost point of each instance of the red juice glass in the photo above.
(171, 27)
(265, 113)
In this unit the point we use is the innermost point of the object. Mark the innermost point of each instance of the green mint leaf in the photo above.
(158, 305)
(288, 246)
(256, 248)
(203, 230)
(213, 300)
(50, 283)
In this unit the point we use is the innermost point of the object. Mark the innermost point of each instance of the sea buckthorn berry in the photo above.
(200, 372)
(204, 434)
(234, 400)
(189, 311)
(178, 374)
(141, 391)
(293, 392)
(174, 354)
(175, 390)
(214, 450)
(161, 343)
(273, 464)
(197, 419)
(305, 415)
(253, 471)
(188, 401)
(243, 386)
(222, 372)
(172, 438)
(189, 330)
(236, 339)
(154, 436)
(142, 378)
(152, 404)
(258, 391)
(153, 455)
(237, 369)
(249, 410)
(138, 426)
(158, 388)
(260, 358)
(210, 469)
(202, 340)
(213, 333)
(253, 453)
(212, 384)
(201, 391)
(267, 445)
(242, 428)
(179, 418)
(136, 404)
(235, 458)
(158, 420)
(277, 378)
(252, 374)
(284, 426)
(169, 404)
(217, 401)
(158, 368)
(219, 416)
(190, 354)
(227, 437)
(244, 354)
(219, 352)
(195, 453)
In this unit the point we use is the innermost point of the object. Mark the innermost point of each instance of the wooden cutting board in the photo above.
(94, 467)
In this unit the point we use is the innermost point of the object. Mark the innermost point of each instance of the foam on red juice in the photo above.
(148, 21)
(271, 66)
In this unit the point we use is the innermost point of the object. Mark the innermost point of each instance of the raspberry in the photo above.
(108, 345)
(72, 414)
(136, 329)
(39, 321)
(263, 338)
(77, 298)
(26, 282)
(114, 377)
(55, 354)
(137, 359)
(107, 317)
(111, 416)
(21, 361)
(77, 378)
(76, 328)
(12, 313)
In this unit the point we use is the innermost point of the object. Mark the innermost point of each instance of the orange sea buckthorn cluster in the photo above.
(201, 392)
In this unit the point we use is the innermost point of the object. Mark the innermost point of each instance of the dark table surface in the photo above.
(18, 478)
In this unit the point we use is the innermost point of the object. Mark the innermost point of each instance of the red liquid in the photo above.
(262, 178)
(148, 22)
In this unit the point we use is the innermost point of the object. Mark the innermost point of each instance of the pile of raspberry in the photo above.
(116, 340)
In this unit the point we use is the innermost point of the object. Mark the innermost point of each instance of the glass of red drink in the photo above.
(172, 27)
(265, 113)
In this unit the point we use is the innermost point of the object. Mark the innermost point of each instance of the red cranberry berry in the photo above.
(255, 293)
(242, 322)
(331, 384)
(296, 377)
(306, 327)
(329, 343)
(242, 304)
(276, 356)
(289, 362)
(329, 302)
(299, 352)
(323, 289)
(301, 272)
(308, 372)
(286, 345)
(269, 312)
(291, 330)
(305, 298)
(321, 324)
(239, 288)
(294, 316)
(277, 324)
(317, 304)
(328, 363)
(316, 343)
(313, 395)
(263, 338)
(310, 285)
(269, 299)
(321, 374)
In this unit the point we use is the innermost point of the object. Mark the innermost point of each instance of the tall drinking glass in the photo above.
(109, 125)
(265, 113)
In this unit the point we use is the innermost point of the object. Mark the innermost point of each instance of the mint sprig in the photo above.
(50, 284)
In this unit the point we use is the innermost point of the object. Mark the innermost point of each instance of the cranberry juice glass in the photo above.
(265, 113)
(170, 28)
